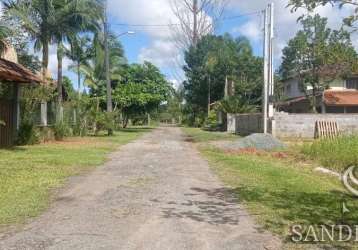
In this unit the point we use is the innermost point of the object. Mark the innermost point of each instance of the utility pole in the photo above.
(108, 77)
(266, 71)
(268, 88)
(271, 68)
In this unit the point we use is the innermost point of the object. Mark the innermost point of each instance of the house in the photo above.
(12, 77)
(341, 96)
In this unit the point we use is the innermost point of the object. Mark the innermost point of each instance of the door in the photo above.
(7, 126)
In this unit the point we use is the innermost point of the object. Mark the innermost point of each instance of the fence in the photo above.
(285, 125)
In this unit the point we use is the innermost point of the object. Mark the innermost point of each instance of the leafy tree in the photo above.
(217, 58)
(310, 5)
(142, 90)
(317, 55)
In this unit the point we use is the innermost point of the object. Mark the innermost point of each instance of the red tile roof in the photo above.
(13, 72)
(341, 97)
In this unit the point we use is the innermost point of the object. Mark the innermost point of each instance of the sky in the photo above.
(155, 44)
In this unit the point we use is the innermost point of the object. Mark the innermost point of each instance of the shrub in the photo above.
(211, 123)
(336, 154)
(28, 134)
(61, 130)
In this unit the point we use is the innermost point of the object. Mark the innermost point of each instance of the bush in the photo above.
(336, 154)
(28, 134)
(211, 123)
(61, 130)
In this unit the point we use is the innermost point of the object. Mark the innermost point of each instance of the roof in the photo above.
(341, 97)
(13, 72)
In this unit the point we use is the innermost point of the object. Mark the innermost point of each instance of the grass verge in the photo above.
(280, 193)
(28, 174)
(336, 154)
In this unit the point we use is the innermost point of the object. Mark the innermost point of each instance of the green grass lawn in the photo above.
(28, 174)
(199, 135)
(336, 154)
(281, 192)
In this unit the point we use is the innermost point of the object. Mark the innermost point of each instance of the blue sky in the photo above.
(156, 44)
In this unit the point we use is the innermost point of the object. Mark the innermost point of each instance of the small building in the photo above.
(341, 96)
(12, 77)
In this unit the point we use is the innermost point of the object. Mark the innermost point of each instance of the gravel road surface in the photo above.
(154, 193)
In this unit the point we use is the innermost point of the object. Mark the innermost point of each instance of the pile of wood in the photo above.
(326, 129)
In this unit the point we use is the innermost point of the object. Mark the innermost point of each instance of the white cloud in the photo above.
(161, 50)
(286, 24)
(250, 29)
(52, 66)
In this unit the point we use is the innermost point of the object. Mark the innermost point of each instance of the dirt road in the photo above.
(155, 193)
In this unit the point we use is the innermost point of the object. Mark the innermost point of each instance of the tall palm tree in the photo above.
(79, 53)
(71, 18)
(54, 20)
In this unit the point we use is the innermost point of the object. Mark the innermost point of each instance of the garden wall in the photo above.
(245, 124)
(290, 125)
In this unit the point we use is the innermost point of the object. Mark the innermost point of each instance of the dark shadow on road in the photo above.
(213, 206)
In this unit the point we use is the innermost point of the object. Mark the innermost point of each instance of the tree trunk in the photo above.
(314, 102)
(195, 23)
(45, 59)
(124, 121)
(59, 84)
(79, 79)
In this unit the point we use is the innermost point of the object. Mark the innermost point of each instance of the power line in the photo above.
(178, 24)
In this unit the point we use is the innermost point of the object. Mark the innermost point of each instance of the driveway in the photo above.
(154, 193)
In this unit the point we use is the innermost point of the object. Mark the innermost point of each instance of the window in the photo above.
(352, 83)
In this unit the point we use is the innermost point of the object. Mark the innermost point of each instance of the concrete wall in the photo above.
(245, 124)
(303, 125)
(287, 125)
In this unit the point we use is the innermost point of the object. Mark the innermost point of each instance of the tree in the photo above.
(19, 39)
(218, 58)
(310, 5)
(80, 54)
(142, 90)
(197, 18)
(70, 18)
(317, 55)
(4, 33)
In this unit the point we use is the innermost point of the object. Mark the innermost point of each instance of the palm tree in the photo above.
(71, 18)
(79, 53)
(54, 20)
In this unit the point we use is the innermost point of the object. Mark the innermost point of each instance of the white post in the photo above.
(271, 66)
(44, 113)
(265, 78)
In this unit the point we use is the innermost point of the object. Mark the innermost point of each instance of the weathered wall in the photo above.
(245, 124)
(303, 125)
(290, 125)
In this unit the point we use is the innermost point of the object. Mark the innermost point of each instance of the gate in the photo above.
(7, 130)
